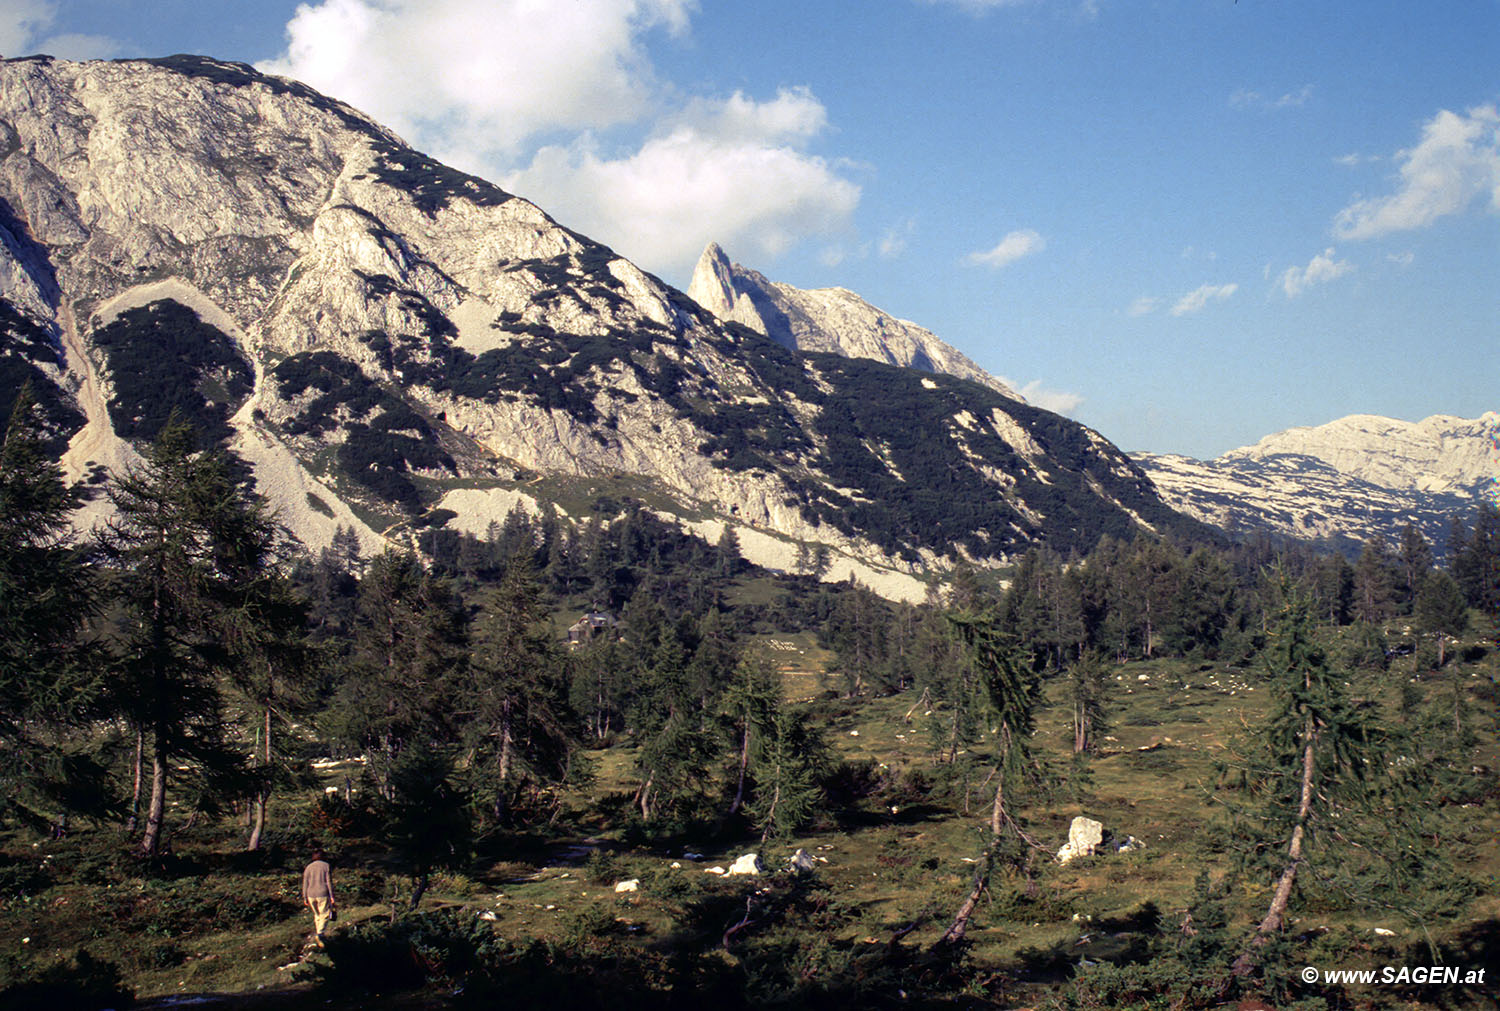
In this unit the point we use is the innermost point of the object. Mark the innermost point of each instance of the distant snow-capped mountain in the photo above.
(1344, 482)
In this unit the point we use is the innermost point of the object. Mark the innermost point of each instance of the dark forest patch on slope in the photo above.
(160, 358)
(23, 345)
(385, 440)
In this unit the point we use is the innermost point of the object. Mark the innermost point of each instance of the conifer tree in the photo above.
(173, 549)
(1012, 691)
(405, 670)
(50, 673)
(1332, 797)
(514, 712)
(1086, 682)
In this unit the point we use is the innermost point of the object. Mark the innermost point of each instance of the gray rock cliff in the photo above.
(831, 320)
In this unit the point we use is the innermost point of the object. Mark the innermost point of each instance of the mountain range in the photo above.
(390, 343)
(1342, 483)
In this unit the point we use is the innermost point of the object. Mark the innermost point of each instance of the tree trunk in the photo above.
(264, 796)
(1276, 915)
(960, 924)
(151, 841)
(135, 793)
(739, 790)
(418, 889)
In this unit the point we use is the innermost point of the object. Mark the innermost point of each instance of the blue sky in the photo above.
(1187, 223)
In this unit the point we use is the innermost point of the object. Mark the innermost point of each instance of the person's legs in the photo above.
(321, 907)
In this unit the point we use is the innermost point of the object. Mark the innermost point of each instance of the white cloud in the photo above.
(736, 176)
(1197, 299)
(1057, 401)
(1142, 306)
(1401, 259)
(1354, 160)
(893, 240)
(1244, 98)
(1319, 270)
(1456, 162)
(23, 24)
(495, 72)
(1009, 249)
(560, 103)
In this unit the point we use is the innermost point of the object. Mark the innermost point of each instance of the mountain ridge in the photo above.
(1343, 482)
(385, 338)
(833, 320)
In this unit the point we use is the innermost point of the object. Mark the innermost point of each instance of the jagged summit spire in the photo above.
(832, 320)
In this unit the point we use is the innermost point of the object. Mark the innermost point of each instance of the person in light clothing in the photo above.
(317, 893)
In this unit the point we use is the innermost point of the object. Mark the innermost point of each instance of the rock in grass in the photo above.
(1085, 836)
(632, 885)
(749, 863)
(802, 862)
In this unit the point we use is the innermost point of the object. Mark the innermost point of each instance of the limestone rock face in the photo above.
(387, 340)
(830, 320)
(1344, 482)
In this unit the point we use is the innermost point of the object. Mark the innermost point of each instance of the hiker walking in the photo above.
(317, 893)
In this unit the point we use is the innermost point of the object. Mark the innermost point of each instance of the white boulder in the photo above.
(1085, 836)
(632, 885)
(748, 863)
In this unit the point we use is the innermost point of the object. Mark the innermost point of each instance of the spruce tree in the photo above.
(51, 677)
(514, 711)
(173, 550)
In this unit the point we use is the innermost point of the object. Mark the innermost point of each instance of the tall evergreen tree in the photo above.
(1375, 577)
(173, 549)
(1013, 692)
(514, 712)
(50, 675)
(406, 667)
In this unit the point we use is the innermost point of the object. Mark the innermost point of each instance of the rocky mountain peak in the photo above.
(827, 320)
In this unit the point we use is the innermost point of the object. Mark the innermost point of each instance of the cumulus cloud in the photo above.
(1320, 270)
(736, 175)
(1456, 162)
(561, 103)
(23, 31)
(1008, 250)
(498, 73)
(1143, 306)
(1198, 298)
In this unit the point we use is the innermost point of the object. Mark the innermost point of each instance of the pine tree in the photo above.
(406, 666)
(50, 673)
(1374, 583)
(1416, 562)
(1087, 678)
(1308, 771)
